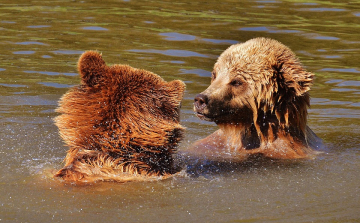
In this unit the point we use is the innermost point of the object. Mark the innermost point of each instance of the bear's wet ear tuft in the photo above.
(292, 77)
(91, 66)
(298, 81)
(177, 88)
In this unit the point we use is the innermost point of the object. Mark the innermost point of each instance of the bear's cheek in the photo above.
(244, 91)
(240, 97)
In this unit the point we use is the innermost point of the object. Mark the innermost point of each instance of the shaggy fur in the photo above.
(121, 123)
(259, 98)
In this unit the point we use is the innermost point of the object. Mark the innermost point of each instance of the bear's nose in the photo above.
(201, 99)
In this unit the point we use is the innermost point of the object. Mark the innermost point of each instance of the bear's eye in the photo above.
(213, 75)
(235, 83)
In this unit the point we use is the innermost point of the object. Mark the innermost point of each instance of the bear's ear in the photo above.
(91, 67)
(300, 81)
(294, 78)
(176, 89)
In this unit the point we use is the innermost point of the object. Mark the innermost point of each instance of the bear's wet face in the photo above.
(226, 99)
(259, 98)
(260, 75)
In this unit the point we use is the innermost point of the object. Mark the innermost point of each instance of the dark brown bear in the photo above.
(120, 123)
(259, 98)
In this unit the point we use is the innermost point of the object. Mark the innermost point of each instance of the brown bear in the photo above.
(120, 123)
(259, 97)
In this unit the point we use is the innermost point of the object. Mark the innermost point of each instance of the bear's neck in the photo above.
(274, 141)
(241, 136)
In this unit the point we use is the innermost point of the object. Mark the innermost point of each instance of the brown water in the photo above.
(40, 42)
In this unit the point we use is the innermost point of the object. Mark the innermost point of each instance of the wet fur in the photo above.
(120, 123)
(259, 98)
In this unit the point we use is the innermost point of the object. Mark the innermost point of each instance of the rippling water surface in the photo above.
(40, 42)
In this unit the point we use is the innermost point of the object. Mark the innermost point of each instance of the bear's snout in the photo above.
(200, 103)
(201, 100)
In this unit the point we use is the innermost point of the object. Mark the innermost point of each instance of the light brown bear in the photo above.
(259, 98)
(120, 123)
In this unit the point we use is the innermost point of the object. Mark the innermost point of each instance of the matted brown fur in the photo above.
(259, 98)
(120, 123)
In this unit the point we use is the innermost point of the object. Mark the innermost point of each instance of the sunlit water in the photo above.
(40, 42)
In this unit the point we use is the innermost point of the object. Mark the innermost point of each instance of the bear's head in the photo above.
(127, 113)
(259, 83)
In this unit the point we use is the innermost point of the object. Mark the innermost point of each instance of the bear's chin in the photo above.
(204, 117)
(232, 116)
(218, 119)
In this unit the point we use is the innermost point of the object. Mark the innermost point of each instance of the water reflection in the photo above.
(23, 52)
(31, 43)
(349, 70)
(199, 72)
(38, 26)
(68, 52)
(266, 29)
(272, 30)
(186, 37)
(96, 28)
(49, 73)
(174, 53)
(325, 9)
(40, 45)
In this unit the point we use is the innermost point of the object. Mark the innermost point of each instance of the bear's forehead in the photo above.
(253, 56)
(247, 54)
(242, 60)
(125, 73)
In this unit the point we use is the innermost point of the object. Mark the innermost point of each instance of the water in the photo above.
(42, 40)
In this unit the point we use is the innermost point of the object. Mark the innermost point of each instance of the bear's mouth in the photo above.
(205, 117)
(226, 117)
